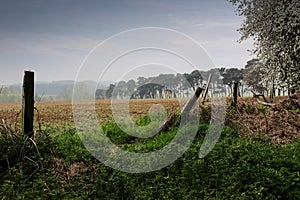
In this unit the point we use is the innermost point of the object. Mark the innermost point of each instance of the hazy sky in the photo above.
(53, 37)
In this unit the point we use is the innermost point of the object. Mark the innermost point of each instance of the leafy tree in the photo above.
(231, 74)
(110, 90)
(252, 74)
(100, 94)
(149, 90)
(275, 27)
(131, 86)
(141, 81)
(121, 90)
(194, 78)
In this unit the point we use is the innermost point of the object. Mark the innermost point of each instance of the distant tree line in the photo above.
(161, 86)
(183, 85)
(171, 85)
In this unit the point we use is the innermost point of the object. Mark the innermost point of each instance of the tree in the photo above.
(141, 81)
(252, 75)
(275, 27)
(121, 90)
(110, 90)
(100, 94)
(149, 90)
(194, 78)
(230, 75)
(131, 86)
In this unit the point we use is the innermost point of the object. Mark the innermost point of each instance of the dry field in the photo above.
(61, 111)
(278, 123)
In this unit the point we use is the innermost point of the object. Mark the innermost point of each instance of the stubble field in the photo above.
(279, 123)
(57, 112)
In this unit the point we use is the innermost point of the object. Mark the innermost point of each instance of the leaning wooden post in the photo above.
(206, 89)
(28, 103)
(186, 110)
(235, 94)
(189, 105)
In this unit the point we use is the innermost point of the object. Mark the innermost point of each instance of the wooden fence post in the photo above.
(189, 105)
(206, 89)
(185, 111)
(235, 94)
(28, 103)
(272, 92)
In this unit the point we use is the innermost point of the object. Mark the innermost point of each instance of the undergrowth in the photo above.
(58, 166)
(278, 123)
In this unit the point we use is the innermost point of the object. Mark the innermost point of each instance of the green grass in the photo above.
(235, 169)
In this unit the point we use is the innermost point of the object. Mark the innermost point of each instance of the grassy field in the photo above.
(55, 164)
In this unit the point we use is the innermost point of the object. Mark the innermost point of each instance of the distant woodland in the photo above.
(161, 86)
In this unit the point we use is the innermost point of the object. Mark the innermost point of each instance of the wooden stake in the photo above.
(206, 89)
(28, 103)
(189, 105)
(186, 110)
(235, 94)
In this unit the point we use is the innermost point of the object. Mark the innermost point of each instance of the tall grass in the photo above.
(59, 167)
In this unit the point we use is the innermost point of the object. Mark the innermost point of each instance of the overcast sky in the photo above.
(53, 37)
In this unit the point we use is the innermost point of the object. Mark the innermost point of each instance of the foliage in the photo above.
(278, 123)
(26, 165)
(235, 169)
(161, 86)
(195, 78)
(148, 90)
(232, 74)
(275, 26)
(110, 90)
(252, 75)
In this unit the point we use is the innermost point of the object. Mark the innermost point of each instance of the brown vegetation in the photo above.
(279, 123)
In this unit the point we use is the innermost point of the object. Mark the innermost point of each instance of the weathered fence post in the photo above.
(185, 111)
(235, 93)
(189, 105)
(272, 91)
(28, 103)
(206, 89)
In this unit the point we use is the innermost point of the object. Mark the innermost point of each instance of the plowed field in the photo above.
(61, 112)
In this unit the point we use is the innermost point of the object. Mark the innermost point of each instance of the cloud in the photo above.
(46, 44)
